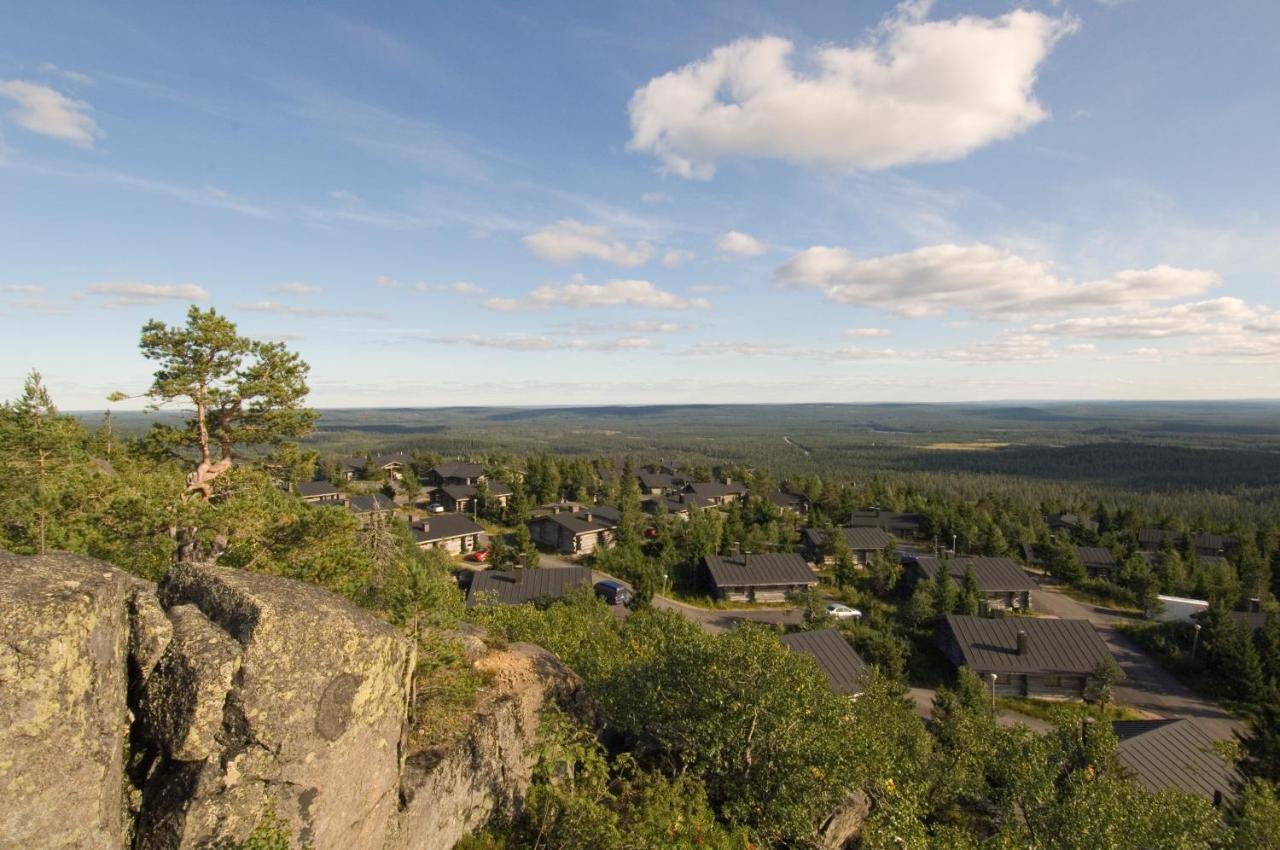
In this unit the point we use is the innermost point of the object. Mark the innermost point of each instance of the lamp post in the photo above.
(1195, 640)
(991, 677)
(664, 584)
(953, 545)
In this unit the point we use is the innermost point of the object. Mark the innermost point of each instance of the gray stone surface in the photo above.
(312, 722)
(64, 718)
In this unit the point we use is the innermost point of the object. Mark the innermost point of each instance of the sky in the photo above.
(666, 202)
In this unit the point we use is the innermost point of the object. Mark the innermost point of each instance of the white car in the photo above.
(435, 508)
(843, 612)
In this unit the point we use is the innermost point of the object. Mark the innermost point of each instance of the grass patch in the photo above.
(1051, 711)
(446, 689)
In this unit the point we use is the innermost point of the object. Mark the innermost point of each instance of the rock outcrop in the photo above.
(64, 715)
(172, 718)
(449, 794)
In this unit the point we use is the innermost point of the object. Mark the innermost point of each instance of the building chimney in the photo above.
(1022, 642)
(587, 516)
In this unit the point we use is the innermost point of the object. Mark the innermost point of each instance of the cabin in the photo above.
(789, 503)
(454, 472)
(1160, 754)
(1098, 562)
(454, 533)
(713, 494)
(841, 663)
(901, 525)
(657, 483)
(575, 532)
(319, 493)
(366, 505)
(862, 542)
(393, 464)
(1002, 584)
(766, 577)
(1069, 523)
(1031, 554)
(519, 586)
(1206, 545)
(1028, 656)
(352, 468)
(675, 506)
(461, 498)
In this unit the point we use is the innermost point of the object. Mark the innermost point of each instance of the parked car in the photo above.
(651, 531)
(479, 556)
(435, 508)
(843, 612)
(613, 592)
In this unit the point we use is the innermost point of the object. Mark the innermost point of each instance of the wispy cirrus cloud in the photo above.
(127, 294)
(613, 293)
(459, 287)
(913, 91)
(278, 309)
(742, 348)
(298, 288)
(523, 342)
(49, 112)
(568, 239)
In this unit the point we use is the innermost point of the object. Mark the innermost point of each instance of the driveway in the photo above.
(1147, 685)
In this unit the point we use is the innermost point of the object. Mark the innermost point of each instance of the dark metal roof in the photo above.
(316, 488)
(366, 503)
(444, 527)
(384, 460)
(843, 666)
(887, 520)
(1096, 556)
(516, 587)
(458, 469)
(787, 500)
(656, 480)
(759, 570)
(993, 574)
(1174, 754)
(863, 539)
(602, 519)
(1053, 646)
(1158, 536)
(714, 489)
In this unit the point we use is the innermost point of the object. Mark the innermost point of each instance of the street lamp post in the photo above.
(991, 677)
(1195, 640)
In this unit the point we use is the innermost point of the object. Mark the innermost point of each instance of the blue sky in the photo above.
(567, 203)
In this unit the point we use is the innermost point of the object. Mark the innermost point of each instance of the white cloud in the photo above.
(868, 332)
(736, 242)
(49, 112)
(24, 288)
(1081, 348)
(567, 240)
(979, 280)
(675, 257)
(124, 294)
(914, 91)
(787, 350)
(1200, 318)
(271, 336)
(279, 309)
(519, 342)
(298, 288)
(350, 199)
(655, 197)
(383, 281)
(1004, 348)
(614, 293)
(708, 288)
(647, 326)
(461, 287)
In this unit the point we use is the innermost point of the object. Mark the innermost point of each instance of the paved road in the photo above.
(1147, 685)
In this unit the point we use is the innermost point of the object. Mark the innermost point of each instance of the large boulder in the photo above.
(309, 723)
(65, 638)
(448, 793)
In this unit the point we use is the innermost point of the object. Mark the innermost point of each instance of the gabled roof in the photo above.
(1174, 754)
(1216, 542)
(656, 480)
(673, 504)
(516, 587)
(886, 519)
(444, 527)
(385, 460)
(715, 489)
(787, 500)
(992, 574)
(1053, 646)
(355, 463)
(1096, 556)
(842, 664)
(1062, 521)
(602, 518)
(468, 491)
(316, 488)
(1158, 536)
(1030, 552)
(458, 469)
(859, 539)
(366, 503)
(759, 570)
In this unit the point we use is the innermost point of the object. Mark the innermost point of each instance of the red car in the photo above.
(479, 556)
(651, 532)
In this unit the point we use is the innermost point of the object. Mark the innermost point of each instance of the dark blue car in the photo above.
(613, 592)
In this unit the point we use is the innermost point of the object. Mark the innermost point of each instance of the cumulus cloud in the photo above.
(708, 288)
(567, 240)
(519, 342)
(914, 91)
(980, 280)
(614, 293)
(276, 308)
(383, 281)
(1081, 348)
(460, 287)
(675, 257)
(736, 242)
(48, 112)
(298, 288)
(126, 294)
(868, 332)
